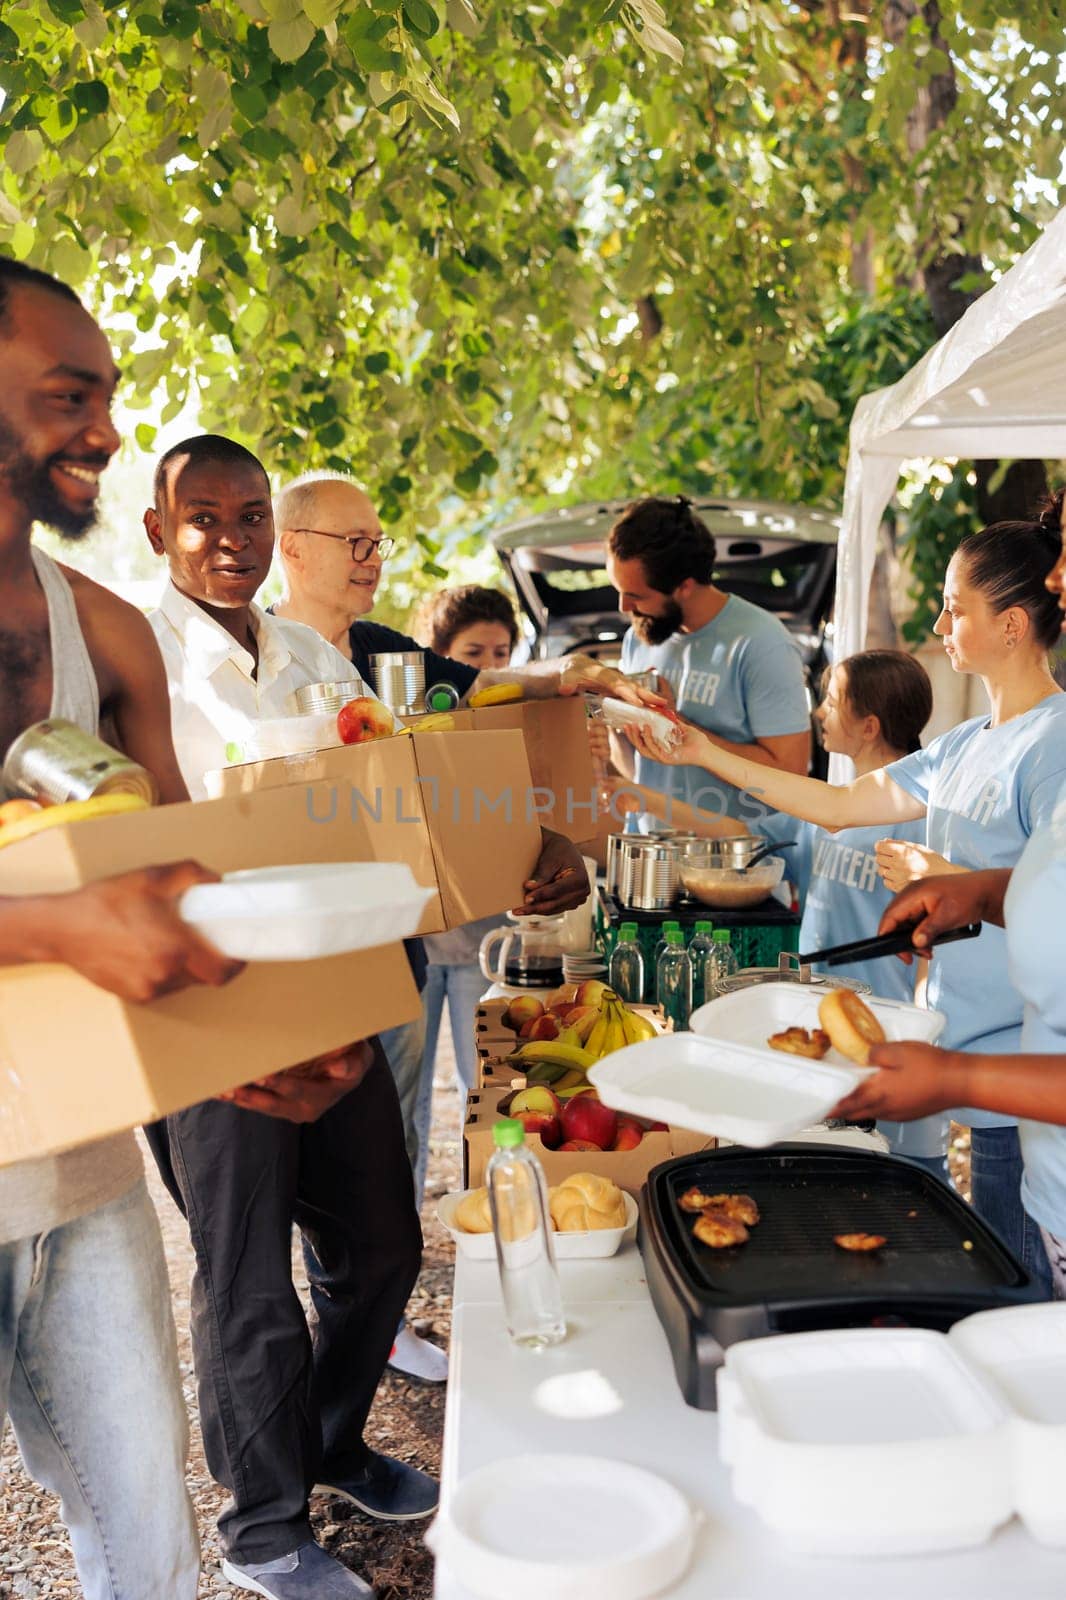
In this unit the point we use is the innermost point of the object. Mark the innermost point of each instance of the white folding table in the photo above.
(609, 1390)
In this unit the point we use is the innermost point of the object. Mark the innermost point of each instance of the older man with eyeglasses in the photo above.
(332, 549)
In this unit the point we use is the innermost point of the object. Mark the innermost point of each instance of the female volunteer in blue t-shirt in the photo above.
(983, 788)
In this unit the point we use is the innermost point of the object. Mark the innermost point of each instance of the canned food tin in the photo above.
(400, 679)
(648, 878)
(319, 699)
(56, 761)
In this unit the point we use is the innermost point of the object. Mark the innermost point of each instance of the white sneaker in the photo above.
(417, 1358)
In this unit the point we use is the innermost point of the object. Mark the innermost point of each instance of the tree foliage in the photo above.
(482, 254)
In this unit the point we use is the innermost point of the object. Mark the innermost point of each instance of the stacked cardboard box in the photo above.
(456, 807)
(563, 794)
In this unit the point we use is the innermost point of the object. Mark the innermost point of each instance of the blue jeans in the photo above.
(462, 987)
(404, 1048)
(89, 1376)
(995, 1188)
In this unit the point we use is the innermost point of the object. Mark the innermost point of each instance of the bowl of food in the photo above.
(728, 888)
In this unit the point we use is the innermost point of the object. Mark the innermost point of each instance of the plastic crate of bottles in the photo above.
(754, 943)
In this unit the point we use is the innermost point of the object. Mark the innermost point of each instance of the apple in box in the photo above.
(537, 1109)
(586, 1118)
(363, 719)
(524, 1009)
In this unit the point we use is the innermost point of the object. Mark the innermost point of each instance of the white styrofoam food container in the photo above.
(748, 1017)
(302, 912)
(564, 1527)
(597, 1242)
(751, 1097)
(865, 1441)
(1022, 1351)
(620, 714)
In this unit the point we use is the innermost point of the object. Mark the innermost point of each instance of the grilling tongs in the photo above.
(882, 944)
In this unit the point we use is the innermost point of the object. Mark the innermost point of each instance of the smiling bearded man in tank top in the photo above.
(88, 1364)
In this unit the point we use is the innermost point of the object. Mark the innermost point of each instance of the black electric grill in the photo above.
(940, 1262)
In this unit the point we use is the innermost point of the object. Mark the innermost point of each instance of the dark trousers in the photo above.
(283, 1405)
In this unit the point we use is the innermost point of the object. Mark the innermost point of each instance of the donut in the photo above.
(850, 1024)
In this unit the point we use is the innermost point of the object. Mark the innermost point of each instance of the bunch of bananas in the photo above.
(562, 1062)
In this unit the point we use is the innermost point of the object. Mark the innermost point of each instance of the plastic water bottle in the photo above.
(701, 955)
(673, 980)
(627, 965)
(723, 960)
(666, 929)
(518, 1201)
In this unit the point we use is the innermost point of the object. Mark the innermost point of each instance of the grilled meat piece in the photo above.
(719, 1230)
(798, 1042)
(859, 1241)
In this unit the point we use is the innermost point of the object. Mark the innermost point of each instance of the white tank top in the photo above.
(36, 1196)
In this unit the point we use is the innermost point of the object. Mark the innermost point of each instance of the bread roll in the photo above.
(586, 1202)
(850, 1024)
(472, 1214)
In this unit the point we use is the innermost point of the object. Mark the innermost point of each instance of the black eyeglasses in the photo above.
(360, 544)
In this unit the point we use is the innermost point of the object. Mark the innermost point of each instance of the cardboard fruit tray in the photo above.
(494, 1042)
(627, 1168)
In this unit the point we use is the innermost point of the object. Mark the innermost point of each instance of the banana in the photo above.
(615, 1038)
(597, 1038)
(636, 1027)
(554, 1053)
(573, 1090)
(583, 1028)
(547, 1072)
(499, 694)
(574, 1079)
(435, 722)
(103, 805)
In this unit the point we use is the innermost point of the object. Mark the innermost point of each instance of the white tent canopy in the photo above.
(994, 388)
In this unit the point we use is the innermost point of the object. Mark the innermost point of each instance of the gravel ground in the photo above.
(407, 1419)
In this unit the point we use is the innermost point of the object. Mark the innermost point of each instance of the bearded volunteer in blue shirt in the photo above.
(984, 788)
(733, 669)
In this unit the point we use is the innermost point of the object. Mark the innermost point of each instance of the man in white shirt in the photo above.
(277, 1417)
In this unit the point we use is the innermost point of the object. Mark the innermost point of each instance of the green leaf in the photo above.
(377, 361)
(250, 101)
(421, 17)
(92, 99)
(290, 37)
(373, 57)
(145, 433)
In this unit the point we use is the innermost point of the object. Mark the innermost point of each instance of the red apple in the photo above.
(545, 1027)
(548, 1129)
(658, 1127)
(523, 1008)
(364, 719)
(580, 1144)
(586, 1118)
(562, 1010)
(591, 992)
(629, 1134)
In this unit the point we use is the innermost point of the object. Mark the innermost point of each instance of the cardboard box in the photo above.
(627, 1168)
(560, 762)
(77, 1063)
(454, 806)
